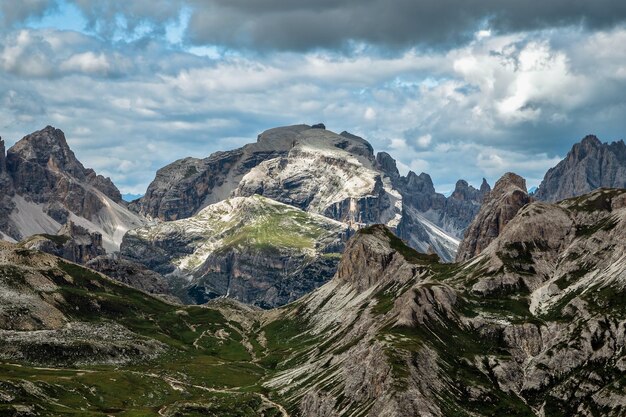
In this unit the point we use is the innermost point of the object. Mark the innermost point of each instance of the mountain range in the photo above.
(301, 248)
(533, 325)
(315, 185)
(334, 175)
(310, 179)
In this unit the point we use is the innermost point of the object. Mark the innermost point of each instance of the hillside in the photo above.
(531, 326)
(253, 249)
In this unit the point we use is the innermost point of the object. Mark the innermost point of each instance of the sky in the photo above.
(456, 89)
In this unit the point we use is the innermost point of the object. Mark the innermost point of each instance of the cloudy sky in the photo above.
(457, 89)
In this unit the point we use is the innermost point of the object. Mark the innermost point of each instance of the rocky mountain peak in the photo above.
(509, 182)
(387, 164)
(42, 155)
(508, 196)
(421, 183)
(3, 157)
(374, 254)
(464, 192)
(591, 141)
(281, 137)
(46, 147)
(365, 257)
(485, 187)
(589, 165)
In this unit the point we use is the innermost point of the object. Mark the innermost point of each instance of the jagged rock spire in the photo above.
(508, 195)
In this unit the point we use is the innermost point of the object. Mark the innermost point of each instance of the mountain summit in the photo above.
(45, 186)
(502, 204)
(589, 165)
(321, 172)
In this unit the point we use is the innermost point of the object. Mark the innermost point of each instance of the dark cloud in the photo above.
(330, 24)
(14, 12)
(287, 24)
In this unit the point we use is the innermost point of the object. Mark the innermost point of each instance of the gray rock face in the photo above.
(73, 243)
(265, 279)
(6, 194)
(589, 165)
(387, 164)
(47, 186)
(426, 212)
(452, 214)
(42, 164)
(186, 186)
(463, 206)
(419, 192)
(130, 273)
(253, 249)
(501, 205)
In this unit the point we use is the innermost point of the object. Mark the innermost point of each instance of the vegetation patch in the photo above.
(606, 224)
(599, 200)
(410, 254)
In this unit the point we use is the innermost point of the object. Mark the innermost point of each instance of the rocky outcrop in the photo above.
(387, 164)
(589, 165)
(131, 273)
(73, 242)
(462, 207)
(50, 187)
(265, 278)
(509, 195)
(367, 259)
(419, 192)
(253, 249)
(6, 198)
(426, 213)
(451, 215)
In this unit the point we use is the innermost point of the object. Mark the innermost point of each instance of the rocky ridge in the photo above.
(589, 165)
(72, 242)
(500, 206)
(45, 186)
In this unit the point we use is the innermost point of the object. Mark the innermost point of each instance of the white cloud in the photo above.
(424, 141)
(87, 62)
(370, 114)
(512, 102)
